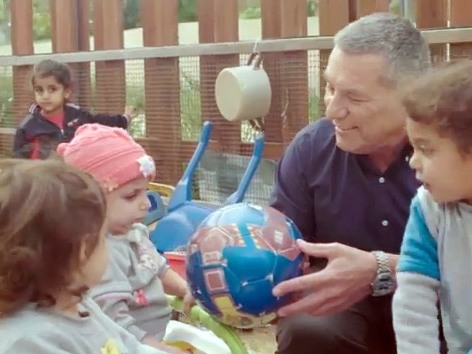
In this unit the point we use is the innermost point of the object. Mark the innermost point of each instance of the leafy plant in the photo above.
(136, 96)
(395, 7)
(131, 13)
(6, 101)
(312, 7)
(251, 12)
(41, 25)
(188, 11)
(190, 108)
(314, 105)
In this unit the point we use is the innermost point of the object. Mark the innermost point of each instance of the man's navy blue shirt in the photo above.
(336, 196)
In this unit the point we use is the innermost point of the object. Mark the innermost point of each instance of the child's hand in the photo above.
(74, 123)
(188, 302)
(130, 112)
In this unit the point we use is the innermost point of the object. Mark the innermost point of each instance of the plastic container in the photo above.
(177, 261)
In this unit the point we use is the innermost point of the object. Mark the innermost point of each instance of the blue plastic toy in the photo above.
(157, 209)
(184, 215)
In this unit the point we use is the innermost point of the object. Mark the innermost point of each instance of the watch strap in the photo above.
(384, 282)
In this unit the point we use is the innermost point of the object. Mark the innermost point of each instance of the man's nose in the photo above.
(335, 109)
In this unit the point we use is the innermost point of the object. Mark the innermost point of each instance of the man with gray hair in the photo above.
(345, 181)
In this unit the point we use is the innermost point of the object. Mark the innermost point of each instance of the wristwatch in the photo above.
(384, 282)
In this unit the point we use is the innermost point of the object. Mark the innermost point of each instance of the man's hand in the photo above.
(345, 280)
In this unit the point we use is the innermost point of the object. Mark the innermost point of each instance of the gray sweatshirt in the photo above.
(131, 291)
(435, 264)
(48, 331)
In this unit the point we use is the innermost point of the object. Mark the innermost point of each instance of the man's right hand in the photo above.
(344, 281)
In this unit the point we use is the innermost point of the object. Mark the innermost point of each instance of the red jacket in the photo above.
(37, 137)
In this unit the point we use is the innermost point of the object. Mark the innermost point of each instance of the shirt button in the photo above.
(381, 180)
(384, 222)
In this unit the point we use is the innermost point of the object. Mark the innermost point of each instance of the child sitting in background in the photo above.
(52, 249)
(53, 119)
(133, 289)
(435, 262)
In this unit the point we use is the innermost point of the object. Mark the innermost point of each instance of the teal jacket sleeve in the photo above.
(419, 248)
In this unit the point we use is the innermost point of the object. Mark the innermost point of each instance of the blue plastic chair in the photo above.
(184, 215)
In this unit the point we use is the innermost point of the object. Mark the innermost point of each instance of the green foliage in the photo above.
(188, 10)
(4, 23)
(131, 14)
(252, 12)
(135, 96)
(395, 7)
(190, 113)
(314, 108)
(6, 100)
(41, 25)
(312, 7)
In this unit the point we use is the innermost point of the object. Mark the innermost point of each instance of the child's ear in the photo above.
(67, 93)
(83, 254)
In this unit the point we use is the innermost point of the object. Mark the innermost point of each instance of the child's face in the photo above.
(127, 205)
(95, 264)
(439, 165)
(50, 94)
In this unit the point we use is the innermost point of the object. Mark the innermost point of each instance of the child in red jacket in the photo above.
(53, 119)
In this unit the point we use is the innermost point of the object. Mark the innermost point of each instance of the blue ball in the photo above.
(236, 257)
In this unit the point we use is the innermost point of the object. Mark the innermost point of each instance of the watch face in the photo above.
(384, 284)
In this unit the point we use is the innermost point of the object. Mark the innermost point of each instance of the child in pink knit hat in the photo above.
(133, 289)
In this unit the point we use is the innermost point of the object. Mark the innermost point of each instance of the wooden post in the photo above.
(366, 7)
(63, 25)
(461, 16)
(294, 88)
(162, 89)
(333, 15)
(110, 79)
(218, 22)
(83, 85)
(433, 14)
(67, 32)
(22, 44)
(271, 28)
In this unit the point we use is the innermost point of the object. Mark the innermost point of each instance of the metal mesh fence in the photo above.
(174, 96)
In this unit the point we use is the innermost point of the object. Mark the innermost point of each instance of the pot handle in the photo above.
(255, 57)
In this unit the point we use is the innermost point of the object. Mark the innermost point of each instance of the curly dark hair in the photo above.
(51, 213)
(442, 99)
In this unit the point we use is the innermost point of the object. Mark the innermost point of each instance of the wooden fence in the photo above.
(283, 43)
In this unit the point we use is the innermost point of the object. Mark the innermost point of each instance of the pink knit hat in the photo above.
(109, 154)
